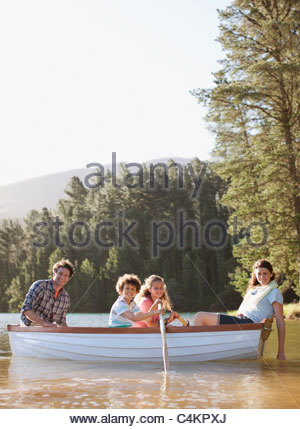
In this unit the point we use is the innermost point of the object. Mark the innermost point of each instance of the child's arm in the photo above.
(136, 317)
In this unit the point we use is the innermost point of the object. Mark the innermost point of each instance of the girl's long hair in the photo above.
(145, 292)
(261, 263)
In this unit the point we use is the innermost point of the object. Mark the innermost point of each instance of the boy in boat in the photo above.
(47, 302)
(125, 311)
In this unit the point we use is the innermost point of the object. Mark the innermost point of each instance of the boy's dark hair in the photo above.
(131, 279)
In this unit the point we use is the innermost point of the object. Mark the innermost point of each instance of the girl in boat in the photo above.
(154, 291)
(262, 300)
(125, 311)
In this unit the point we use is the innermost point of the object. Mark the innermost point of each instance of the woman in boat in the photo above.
(154, 291)
(125, 311)
(262, 300)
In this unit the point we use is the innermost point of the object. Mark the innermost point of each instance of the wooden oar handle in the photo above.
(183, 321)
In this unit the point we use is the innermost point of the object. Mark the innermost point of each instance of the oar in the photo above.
(183, 321)
(164, 340)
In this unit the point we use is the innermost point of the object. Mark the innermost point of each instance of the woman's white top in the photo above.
(257, 304)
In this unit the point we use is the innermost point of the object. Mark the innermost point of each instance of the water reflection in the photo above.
(66, 384)
(105, 386)
(39, 383)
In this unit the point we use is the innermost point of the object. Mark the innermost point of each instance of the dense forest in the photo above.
(200, 226)
(166, 220)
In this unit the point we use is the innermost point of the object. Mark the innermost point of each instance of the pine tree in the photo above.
(254, 111)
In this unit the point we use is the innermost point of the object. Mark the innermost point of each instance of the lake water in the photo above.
(264, 383)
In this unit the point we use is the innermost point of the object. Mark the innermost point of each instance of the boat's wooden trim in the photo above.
(169, 329)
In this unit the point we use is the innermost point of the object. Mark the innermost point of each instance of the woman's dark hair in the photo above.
(261, 263)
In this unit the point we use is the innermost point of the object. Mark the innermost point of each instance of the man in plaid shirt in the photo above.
(47, 302)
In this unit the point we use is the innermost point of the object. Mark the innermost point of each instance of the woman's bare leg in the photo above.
(204, 318)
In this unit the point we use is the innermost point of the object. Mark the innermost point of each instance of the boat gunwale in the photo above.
(107, 330)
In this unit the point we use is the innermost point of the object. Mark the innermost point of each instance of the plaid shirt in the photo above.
(40, 298)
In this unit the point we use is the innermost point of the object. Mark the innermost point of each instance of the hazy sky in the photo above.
(81, 79)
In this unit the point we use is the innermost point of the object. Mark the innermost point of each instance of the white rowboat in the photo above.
(185, 344)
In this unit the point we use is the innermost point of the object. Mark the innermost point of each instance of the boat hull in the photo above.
(185, 344)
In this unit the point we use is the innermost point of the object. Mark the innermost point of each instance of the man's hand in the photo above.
(47, 324)
(35, 318)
